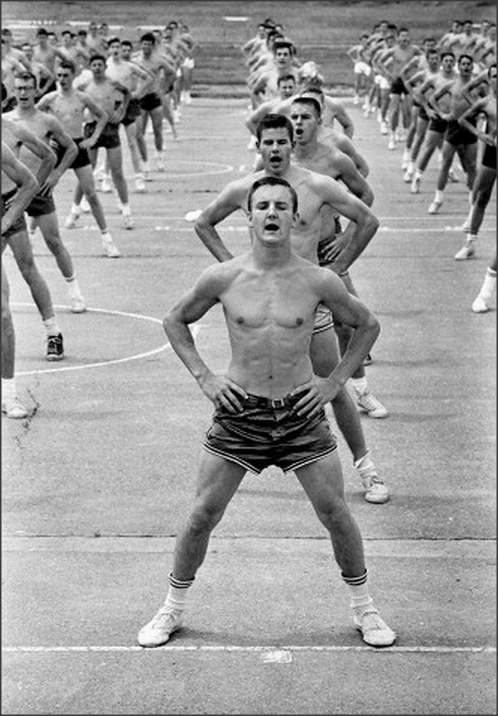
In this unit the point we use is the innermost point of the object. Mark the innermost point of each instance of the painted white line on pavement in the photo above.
(256, 649)
(114, 361)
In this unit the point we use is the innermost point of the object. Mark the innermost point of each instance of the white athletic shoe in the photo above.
(85, 206)
(408, 175)
(368, 403)
(373, 628)
(110, 247)
(160, 627)
(415, 185)
(139, 184)
(128, 221)
(77, 304)
(106, 186)
(13, 408)
(480, 305)
(434, 207)
(391, 144)
(72, 220)
(383, 127)
(466, 252)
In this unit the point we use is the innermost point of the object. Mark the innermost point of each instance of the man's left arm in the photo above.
(361, 229)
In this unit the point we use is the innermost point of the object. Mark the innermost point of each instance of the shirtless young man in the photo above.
(437, 125)
(269, 297)
(263, 85)
(485, 179)
(399, 56)
(21, 185)
(137, 81)
(49, 130)
(106, 93)
(153, 61)
(14, 136)
(276, 143)
(68, 105)
(457, 139)
(319, 157)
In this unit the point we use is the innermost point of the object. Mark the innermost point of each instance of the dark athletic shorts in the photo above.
(150, 101)
(398, 86)
(41, 205)
(457, 135)
(489, 157)
(268, 433)
(17, 226)
(437, 125)
(80, 160)
(422, 113)
(132, 112)
(109, 139)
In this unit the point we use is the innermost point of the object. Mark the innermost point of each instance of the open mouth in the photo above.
(271, 226)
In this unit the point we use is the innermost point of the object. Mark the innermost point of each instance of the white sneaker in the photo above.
(85, 206)
(434, 207)
(452, 176)
(415, 186)
(480, 305)
(77, 304)
(392, 144)
(139, 184)
(408, 175)
(106, 187)
(383, 127)
(110, 247)
(13, 408)
(128, 221)
(160, 163)
(375, 488)
(160, 627)
(373, 628)
(72, 220)
(368, 403)
(147, 175)
(466, 252)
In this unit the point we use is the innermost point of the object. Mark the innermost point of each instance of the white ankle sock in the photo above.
(9, 388)
(51, 326)
(360, 384)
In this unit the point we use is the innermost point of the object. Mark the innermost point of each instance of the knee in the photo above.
(203, 520)
(28, 269)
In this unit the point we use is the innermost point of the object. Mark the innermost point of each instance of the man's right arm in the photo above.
(25, 180)
(228, 201)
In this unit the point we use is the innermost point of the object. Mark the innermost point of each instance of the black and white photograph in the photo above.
(249, 357)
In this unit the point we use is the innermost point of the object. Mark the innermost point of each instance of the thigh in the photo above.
(115, 158)
(85, 177)
(217, 482)
(323, 482)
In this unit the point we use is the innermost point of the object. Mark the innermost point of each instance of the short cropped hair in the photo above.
(148, 37)
(272, 181)
(98, 56)
(68, 64)
(311, 101)
(274, 121)
(25, 76)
